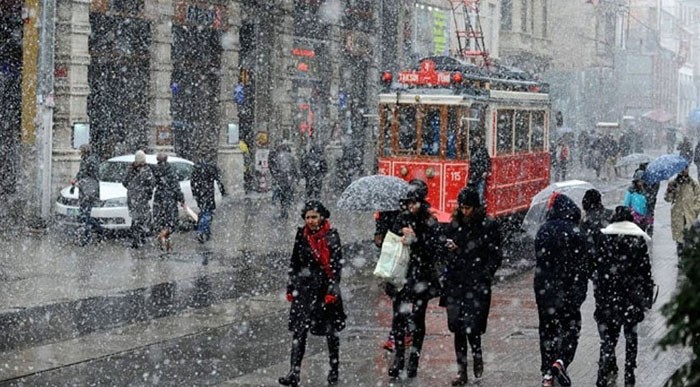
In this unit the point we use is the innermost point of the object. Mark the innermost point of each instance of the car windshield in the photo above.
(115, 171)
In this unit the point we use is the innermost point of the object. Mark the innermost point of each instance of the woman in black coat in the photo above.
(314, 289)
(623, 290)
(561, 280)
(474, 247)
(420, 230)
(165, 200)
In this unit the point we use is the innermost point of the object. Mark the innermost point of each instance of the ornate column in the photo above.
(161, 67)
(71, 85)
(229, 152)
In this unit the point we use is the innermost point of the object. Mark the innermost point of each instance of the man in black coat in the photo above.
(561, 278)
(479, 166)
(204, 176)
(314, 168)
(166, 197)
(474, 247)
(623, 289)
(88, 182)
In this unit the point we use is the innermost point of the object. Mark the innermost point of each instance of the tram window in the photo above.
(472, 125)
(407, 129)
(537, 131)
(431, 132)
(452, 128)
(522, 131)
(505, 132)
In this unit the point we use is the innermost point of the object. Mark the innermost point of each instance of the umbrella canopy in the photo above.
(633, 159)
(658, 115)
(537, 214)
(373, 193)
(664, 167)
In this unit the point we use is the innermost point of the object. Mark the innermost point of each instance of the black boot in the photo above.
(629, 377)
(333, 358)
(398, 363)
(412, 369)
(298, 348)
(291, 379)
(462, 376)
(478, 366)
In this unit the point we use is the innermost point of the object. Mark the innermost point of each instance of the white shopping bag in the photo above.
(191, 213)
(393, 261)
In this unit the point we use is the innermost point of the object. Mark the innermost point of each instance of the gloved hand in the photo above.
(290, 297)
(330, 299)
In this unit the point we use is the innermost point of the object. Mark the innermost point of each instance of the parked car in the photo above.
(111, 211)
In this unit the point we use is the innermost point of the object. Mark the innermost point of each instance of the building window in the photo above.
(507, 15)
(523, 15)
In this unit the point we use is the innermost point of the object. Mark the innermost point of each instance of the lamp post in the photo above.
(45, 102)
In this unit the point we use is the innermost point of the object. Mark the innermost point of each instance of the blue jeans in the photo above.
(204, 224)
(89, 223)
(481, 188)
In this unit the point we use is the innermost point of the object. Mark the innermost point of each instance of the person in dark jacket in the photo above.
(139, 183)
(474, 245)
(479, 166)
(596, 217)
(561, 278)
(419, 229)
(283, 168)
(623, 289)
(165, 200)
(314, 289)
(384, 221)
(685, 150)
(88, 182)
(204, 176)
(651, 191)
(696, 158)
(314, 168)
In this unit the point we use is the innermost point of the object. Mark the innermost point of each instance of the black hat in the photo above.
(591, 199)
(468, 197)
(315, 205)
(622, 214)
(417, 190)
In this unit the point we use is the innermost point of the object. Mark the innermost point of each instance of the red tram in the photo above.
(428, 115)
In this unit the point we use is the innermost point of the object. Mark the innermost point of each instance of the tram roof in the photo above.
(445, 96)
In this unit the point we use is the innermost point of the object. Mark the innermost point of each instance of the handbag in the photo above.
(392, 265)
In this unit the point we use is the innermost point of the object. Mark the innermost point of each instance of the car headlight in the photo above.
(117, 202)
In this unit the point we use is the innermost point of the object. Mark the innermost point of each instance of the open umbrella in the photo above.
(537, 214)
(664, 167)
(633, 159)
(373, 193)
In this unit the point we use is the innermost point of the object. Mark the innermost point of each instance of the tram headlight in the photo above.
(403, 171)
(387, 77)
(429, 173)
(457, 78)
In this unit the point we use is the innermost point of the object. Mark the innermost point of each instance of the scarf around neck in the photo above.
(319, 246)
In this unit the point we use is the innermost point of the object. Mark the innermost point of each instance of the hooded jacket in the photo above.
(684, 196)
(563, 264)
(622, 282)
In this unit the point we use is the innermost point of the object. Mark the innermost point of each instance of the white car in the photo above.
(111, 211)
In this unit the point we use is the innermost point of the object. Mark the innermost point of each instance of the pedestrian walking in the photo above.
(623, 289)
(314, 168)
(204, 177)
(479, 166)
(595, 218)
(88, 182)
(696, 159)
(561, 278)
(419, 230)
(651, 191)
(683, 193)
(636, 200)
(283, 168)
(384, 222)
(685, 150)
(474, 245)
(139, 183)
(166, 198)
(562, 153)
(314, 289)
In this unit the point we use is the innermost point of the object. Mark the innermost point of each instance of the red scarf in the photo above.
(319, 246)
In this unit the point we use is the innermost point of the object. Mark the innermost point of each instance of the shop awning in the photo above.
(658, 115)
